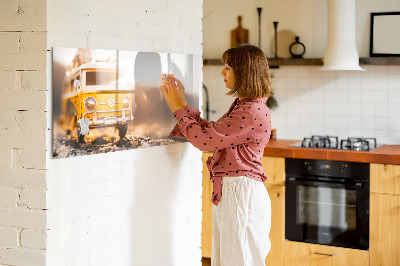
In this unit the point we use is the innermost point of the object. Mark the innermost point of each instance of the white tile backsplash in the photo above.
(343, 103)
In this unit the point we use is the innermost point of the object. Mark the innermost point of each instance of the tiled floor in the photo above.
(206, 261)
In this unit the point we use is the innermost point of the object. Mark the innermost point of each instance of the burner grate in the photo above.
(358, 144)
(327, 142)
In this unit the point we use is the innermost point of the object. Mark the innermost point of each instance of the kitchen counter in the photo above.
(389, 154)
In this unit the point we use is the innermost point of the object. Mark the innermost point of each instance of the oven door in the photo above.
(327, 213)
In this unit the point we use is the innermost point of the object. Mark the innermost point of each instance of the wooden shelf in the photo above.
(380, 61)
(273, 63)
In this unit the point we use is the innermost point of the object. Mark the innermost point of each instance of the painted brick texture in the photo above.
(23, 53)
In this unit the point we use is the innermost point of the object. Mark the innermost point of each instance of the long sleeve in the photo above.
(231, 130)
(195, 114)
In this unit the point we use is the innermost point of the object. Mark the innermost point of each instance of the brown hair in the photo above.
(250, 66)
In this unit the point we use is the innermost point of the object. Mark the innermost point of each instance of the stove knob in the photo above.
(343, 168)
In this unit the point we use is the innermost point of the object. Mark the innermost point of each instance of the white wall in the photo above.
(137, 207)
(23, 132)
(311, 102)
(305, 18)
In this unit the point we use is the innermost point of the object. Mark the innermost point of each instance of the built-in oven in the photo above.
(327, 202)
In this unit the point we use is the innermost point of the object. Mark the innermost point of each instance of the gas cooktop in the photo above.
(332, 142)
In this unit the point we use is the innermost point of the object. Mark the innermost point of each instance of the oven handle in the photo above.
(357, 185)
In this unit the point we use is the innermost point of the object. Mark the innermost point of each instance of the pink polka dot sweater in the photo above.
(238, 139)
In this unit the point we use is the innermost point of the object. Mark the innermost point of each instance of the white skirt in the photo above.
(241, 223)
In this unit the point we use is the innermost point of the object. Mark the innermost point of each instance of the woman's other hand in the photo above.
(181, 92)
(172, 95)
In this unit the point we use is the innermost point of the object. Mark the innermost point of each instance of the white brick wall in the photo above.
(23, 132)
(138, 207)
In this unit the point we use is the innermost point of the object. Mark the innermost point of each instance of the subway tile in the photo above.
(394, 137)
(354, 81)
(367, 82)
(394, 97)
(380, 71)
(367, 110)
(394, 83)
(316, 82)
(382, 136)
(342, 122)
(355, 109)
(367, 122)
(381, 110)
(381, 97)
(394, 123)
(367, 133)
(329, 94)
(355, 122)
(342, 96)
(394, 70)
(329, 122)
(367, 96)
(292, 82)
(317, 107)
(355, 132)
(329, 109)
(381, 123)
(316, 72)
(355, 96)
(291, 71)
(380, 84)
(342, 109)
(304, 82)
(304, 72)
(394, 110)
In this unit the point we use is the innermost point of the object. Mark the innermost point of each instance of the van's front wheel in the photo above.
(81, 137)
(122, 129)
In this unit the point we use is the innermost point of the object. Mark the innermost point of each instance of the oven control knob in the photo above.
(343, 168)
(308, 166)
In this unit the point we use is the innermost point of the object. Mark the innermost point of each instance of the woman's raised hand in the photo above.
(173, 94)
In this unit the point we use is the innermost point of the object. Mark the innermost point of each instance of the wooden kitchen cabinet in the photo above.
(206, 232)
(274, 168)
(277, 233)
(384, 236)
(305, 254)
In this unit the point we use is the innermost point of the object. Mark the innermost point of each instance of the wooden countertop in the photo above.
(389, 154)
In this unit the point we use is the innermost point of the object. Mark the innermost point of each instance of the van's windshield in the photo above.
(107, 78)
(100, 78)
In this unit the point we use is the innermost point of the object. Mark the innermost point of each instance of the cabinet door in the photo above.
(206, 232)
(274, 168)
(305, 254)
(277, 233)
(384, 229)
(385, 178)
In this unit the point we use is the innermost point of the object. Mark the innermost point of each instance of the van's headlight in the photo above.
(126, 102)
(90, 104)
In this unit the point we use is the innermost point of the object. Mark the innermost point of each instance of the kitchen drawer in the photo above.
(305, 254)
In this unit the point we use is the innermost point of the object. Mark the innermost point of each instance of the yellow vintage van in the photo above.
(95, 94)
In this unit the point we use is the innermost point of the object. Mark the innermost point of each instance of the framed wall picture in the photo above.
(110, 100)
(384, 36)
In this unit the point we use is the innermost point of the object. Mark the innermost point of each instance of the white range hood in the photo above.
(341, 51)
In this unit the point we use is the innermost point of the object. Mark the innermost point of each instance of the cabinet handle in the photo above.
(325, 254)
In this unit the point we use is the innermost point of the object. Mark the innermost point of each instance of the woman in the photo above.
(242, 208)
